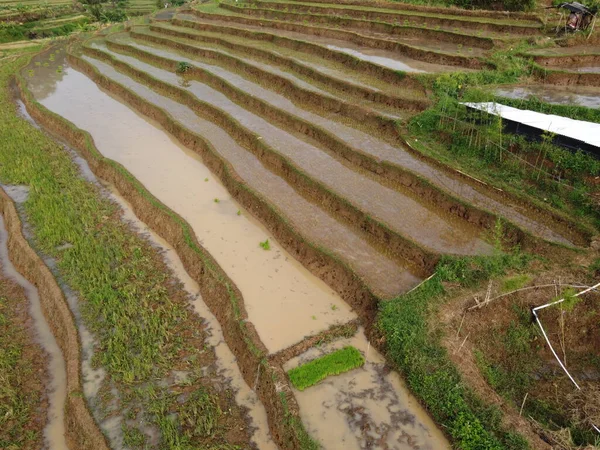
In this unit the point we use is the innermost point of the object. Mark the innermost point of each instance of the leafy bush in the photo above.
(334, 363)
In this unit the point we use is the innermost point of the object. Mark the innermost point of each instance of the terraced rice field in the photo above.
(260, 148)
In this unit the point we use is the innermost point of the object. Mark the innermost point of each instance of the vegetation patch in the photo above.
(22, 374)
(334, 363)
(413, 343)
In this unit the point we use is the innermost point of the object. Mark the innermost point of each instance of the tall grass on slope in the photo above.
(334, 363)
(413, 344)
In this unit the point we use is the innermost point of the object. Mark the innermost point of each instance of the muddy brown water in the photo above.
(54, 431)
(423, 225)
(368, 407)
(588, 96)
(370, 145)
(386, 58)
(175, 175)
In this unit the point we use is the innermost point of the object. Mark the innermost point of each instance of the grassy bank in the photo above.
(128, 297)
(22, 373)
(413, 343)
(542, 173)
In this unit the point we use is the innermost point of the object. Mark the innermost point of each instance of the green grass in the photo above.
(413, 344)
(18, 403)
(334, 363)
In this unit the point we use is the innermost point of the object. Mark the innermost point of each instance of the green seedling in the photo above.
(206, 179)
(216, 200)
(265, 245)
(335, 363)
(239, 213)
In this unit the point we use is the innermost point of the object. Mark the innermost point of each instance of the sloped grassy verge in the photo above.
(334, 363)
(412, 342)
(139, 315)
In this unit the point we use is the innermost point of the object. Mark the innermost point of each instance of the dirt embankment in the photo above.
(566, 78)
(360, 22)
(81, 429)
(347, 88)
(220, 294)
(416, 53)
(454, 11)
(385, 74)
(568, 61)
(422, 19)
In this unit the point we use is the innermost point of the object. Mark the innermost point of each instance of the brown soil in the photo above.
(377, 233)
(401, 6)
(567, 78)
(359, 22)
(480, 329)
(423, 20)
(32, 367)
(567, 61)
(81, 430)
(335, 332)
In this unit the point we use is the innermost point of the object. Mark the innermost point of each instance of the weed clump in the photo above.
(183, 67)
(335, 363)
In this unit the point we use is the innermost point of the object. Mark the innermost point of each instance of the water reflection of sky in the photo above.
(576, 95)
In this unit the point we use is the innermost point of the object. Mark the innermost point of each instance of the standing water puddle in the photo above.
(54, 432)
(369, 407)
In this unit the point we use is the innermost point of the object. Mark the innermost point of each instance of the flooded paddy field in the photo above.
(268, 146)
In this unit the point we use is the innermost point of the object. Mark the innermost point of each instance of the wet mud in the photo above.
(423, 18)
(326, 74)
(54, 431)
(253, 41)
(368, 407)
(378, 201)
